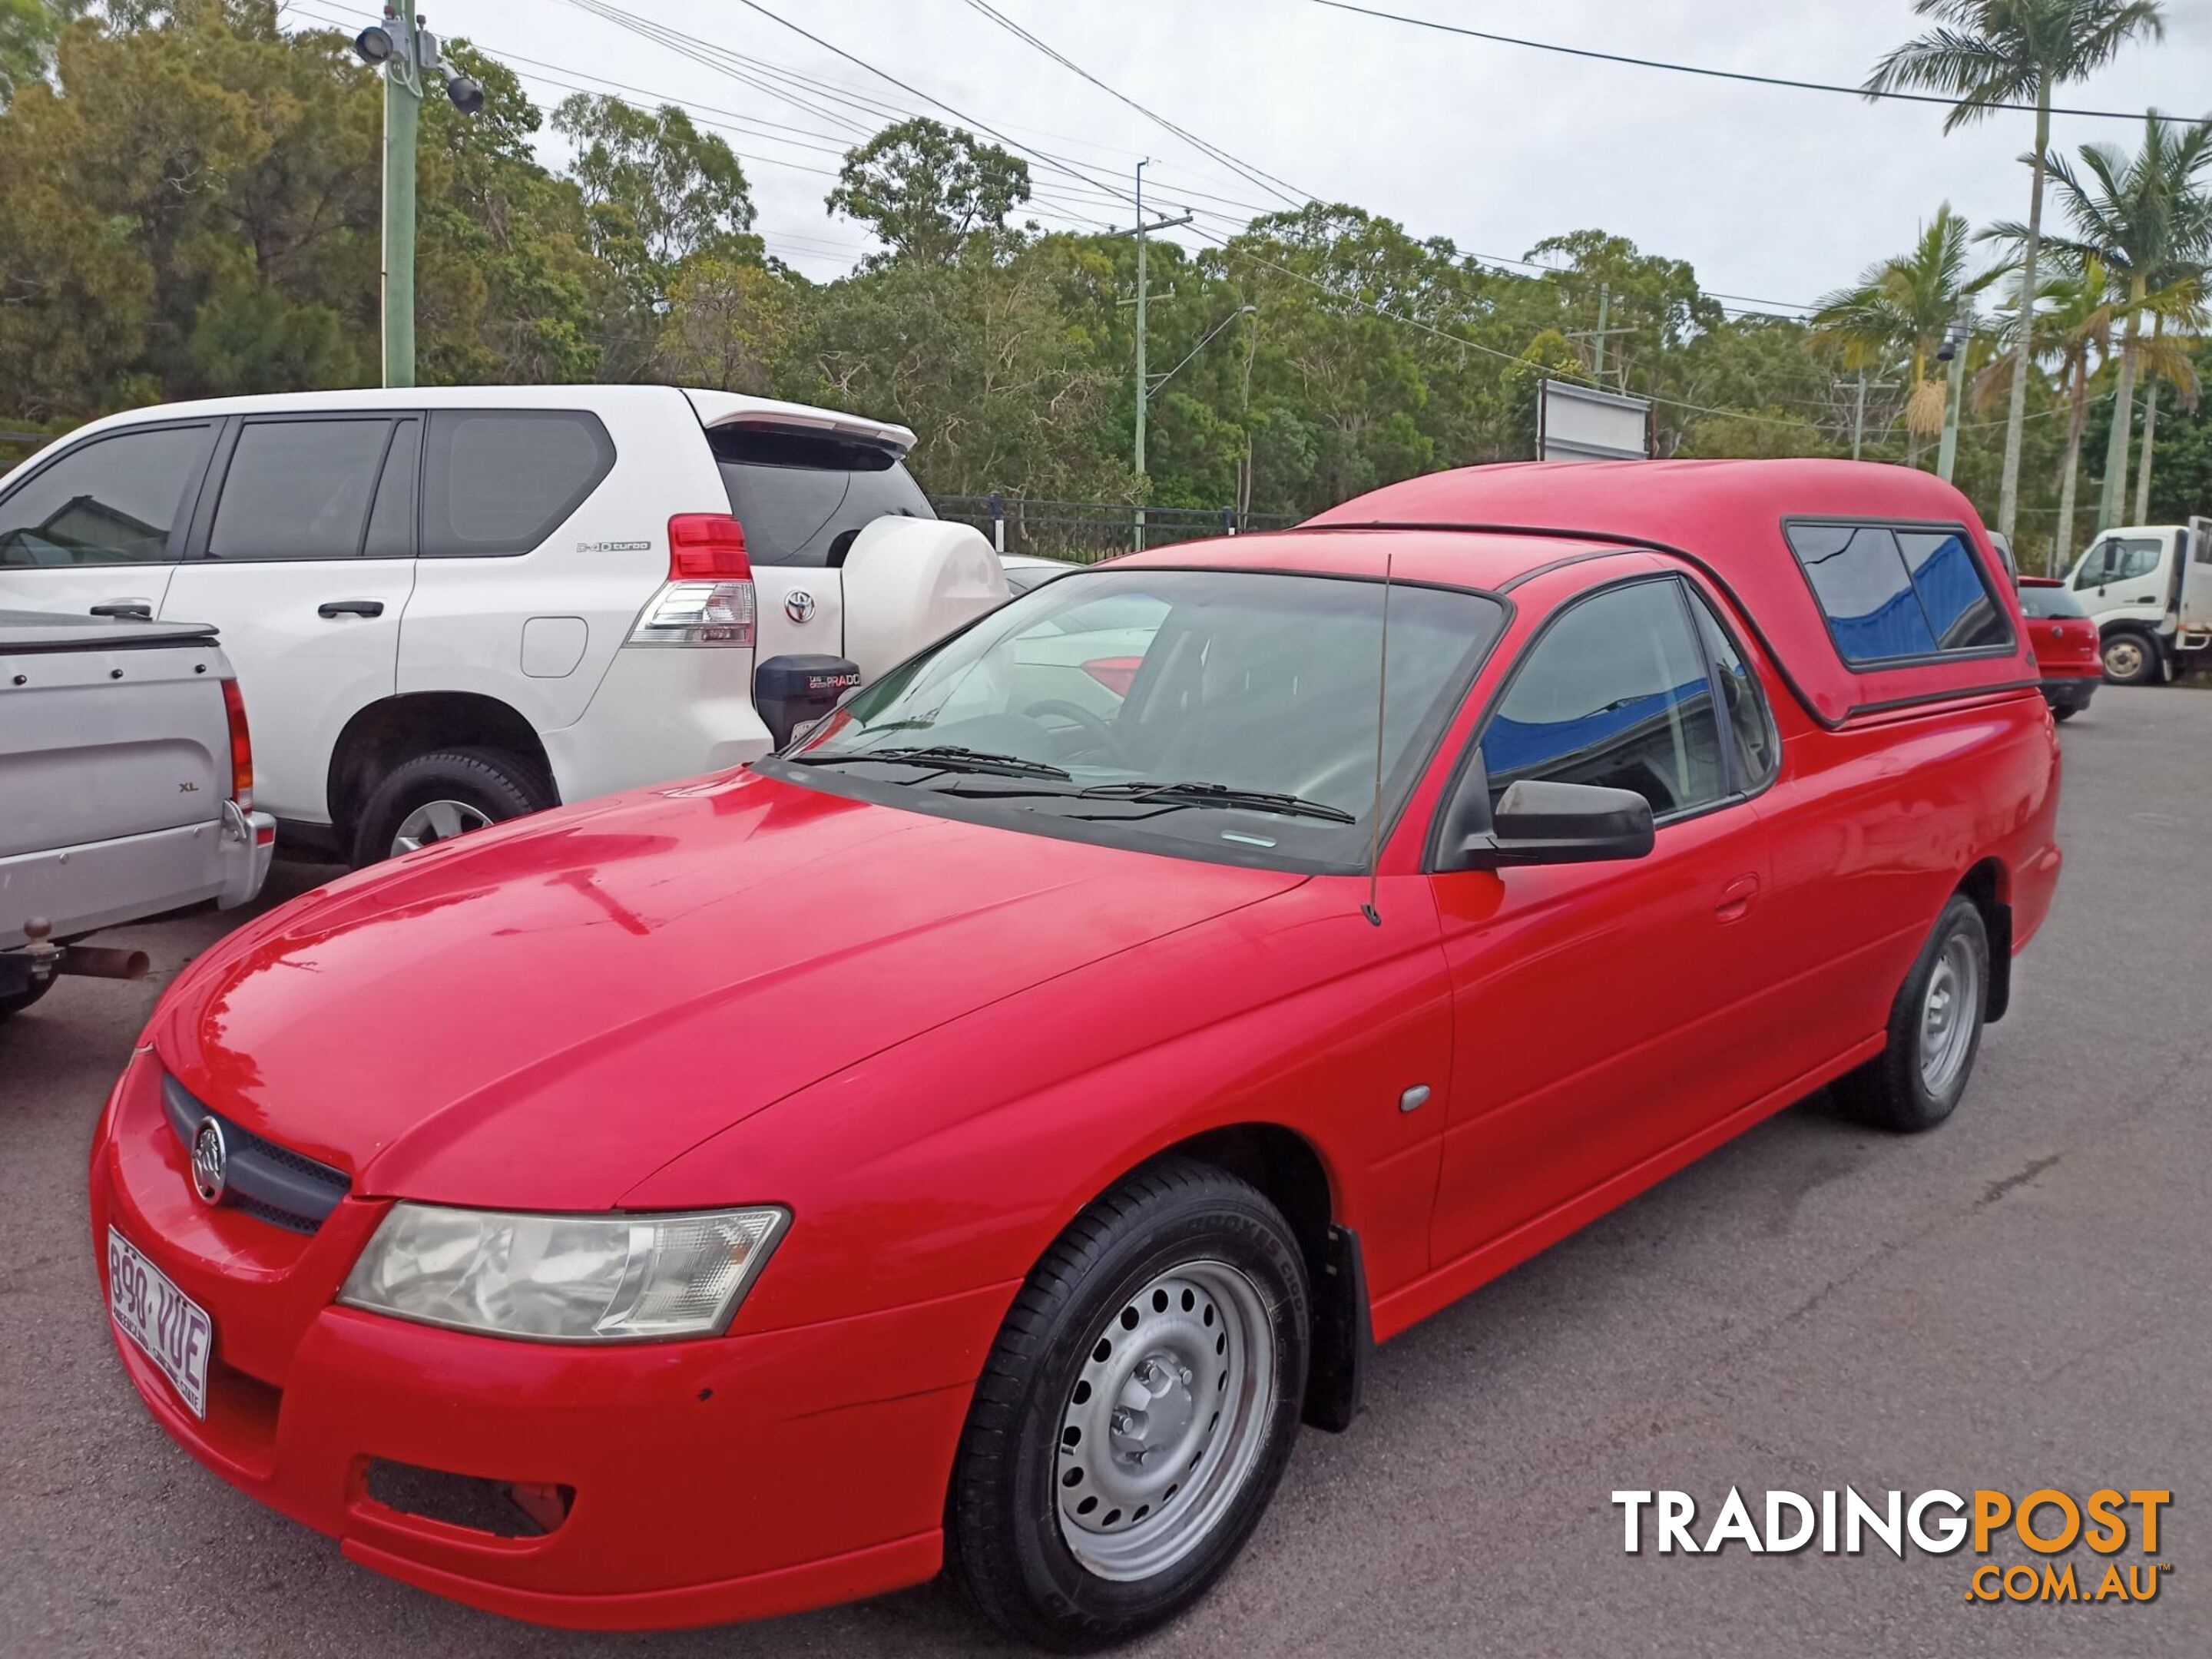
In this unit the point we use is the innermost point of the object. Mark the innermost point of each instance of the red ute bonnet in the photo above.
(1728, 517)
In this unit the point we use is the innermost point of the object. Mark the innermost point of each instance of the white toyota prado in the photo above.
(448, 607)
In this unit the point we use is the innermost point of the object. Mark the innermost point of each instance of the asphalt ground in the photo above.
(2022, 1299)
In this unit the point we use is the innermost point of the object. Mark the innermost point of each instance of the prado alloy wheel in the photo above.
(438, 798)
(436, 821)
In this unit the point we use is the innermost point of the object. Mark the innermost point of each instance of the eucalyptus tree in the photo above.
(1992, 54)
(2147, 218)
(1896, 315)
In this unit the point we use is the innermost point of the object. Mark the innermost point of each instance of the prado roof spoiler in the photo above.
(730, 409)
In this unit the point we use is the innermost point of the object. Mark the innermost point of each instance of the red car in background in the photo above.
(976, 1137)
(2066, 645)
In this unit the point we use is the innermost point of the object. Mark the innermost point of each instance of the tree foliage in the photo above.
(191, 207)
(922, 188)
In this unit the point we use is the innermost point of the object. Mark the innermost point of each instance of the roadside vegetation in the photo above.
(190, 207)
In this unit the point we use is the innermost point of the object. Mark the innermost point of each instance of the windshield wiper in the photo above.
(1219, 794)
(944, 757)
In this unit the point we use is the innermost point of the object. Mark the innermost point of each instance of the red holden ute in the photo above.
(2064, 636)
(976, 1138)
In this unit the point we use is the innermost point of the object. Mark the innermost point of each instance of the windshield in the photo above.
(1218, 713)
(2042, 602)
(800, 497)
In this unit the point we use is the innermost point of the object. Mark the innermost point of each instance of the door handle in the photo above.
(1736, 898)
(141, 608)
(350, 608)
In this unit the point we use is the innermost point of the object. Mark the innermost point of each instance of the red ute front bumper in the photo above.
(703, 1481)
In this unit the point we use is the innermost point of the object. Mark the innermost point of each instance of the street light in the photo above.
(407, 53)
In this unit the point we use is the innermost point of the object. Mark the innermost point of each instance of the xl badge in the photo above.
(210, 1162)
(799, 605)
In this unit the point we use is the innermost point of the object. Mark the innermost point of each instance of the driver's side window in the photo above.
(2094, 563)
(1615, 692)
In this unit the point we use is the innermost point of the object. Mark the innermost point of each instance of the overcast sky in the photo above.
(1779, 195)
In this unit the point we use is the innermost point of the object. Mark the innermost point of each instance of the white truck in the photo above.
(2148, 587)
(126, 791)
(451, 607)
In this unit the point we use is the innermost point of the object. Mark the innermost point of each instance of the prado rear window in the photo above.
(1894, 595)
(801, 497)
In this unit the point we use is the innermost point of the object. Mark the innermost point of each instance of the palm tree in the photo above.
(1991, 53)
(2146, 218)
(2168, 360)
(2073, 321)
(1896, 315)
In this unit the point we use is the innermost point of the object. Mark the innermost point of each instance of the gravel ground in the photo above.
(2018, 1300)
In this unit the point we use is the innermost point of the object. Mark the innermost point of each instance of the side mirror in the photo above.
(1539, 822)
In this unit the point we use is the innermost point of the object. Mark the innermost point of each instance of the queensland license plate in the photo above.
(173, 1330)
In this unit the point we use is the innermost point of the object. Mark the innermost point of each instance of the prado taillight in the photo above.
(708, 598)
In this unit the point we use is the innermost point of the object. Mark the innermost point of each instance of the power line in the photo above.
(1216, 239)
(1266, 181)
(1737, 74)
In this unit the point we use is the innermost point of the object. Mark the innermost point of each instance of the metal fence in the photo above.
(1084, 533)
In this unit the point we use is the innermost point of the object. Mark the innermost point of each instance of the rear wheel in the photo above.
(2065, 712)
(1935, 1028)
(1136, 1413)
(2130, 658)
(436, 798)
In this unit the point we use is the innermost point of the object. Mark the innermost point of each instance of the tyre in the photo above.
(15, 1001)
(2131, 659)
(435, 798)
(1935, 1029)
(2063, 713)
(1136, 1411)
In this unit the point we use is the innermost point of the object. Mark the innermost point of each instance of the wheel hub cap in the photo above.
(436, 821)
(1165, 1419)
(1947, 1013)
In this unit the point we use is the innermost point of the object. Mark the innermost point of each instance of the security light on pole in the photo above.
(407, 53)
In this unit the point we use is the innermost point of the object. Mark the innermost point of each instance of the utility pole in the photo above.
(1953, 352)
(1143, 381)
(1858, 409)
(403, 109)
(1599, 333)
(407, 53)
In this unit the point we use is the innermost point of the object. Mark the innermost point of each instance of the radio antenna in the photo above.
(1375, 813)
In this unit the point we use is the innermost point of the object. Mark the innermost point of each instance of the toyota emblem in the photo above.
(799, 605)
(211, 1161)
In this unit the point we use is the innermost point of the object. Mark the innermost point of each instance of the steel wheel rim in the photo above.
(1948, 1010)
(1165, 1420)
(2124, 658)
(436, 821)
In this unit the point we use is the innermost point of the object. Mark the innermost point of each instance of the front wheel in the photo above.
(1136, 1411)
(2130, 660)
(435, 798)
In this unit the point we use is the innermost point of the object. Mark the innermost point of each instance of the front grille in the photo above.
(269, 1182)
